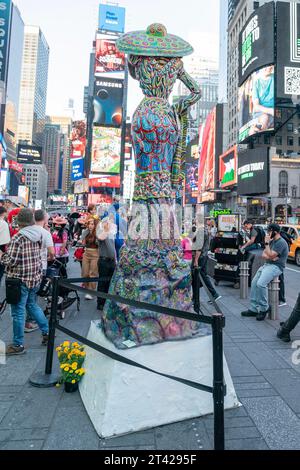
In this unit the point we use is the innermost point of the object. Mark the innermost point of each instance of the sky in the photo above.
(69, 27)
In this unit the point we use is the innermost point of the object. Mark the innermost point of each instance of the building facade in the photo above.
(13, 82)
(65, 123)
(36, 179)
(33, 94)
(51, 155)
(222, 90)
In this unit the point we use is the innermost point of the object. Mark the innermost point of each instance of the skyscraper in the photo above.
(52, 154)
(13, 82)
(34, 82)
(65, 124)
(222, 92)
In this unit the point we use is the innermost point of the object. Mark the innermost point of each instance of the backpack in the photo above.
(260, 237)
(288, 238)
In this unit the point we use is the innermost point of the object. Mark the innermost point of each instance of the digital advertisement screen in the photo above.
(107, 102)
(77, 169)
(78, 139)
(256, 104)
(106, 150)
(111, 18)
(288, 50)
(256, 41)
(81, 186)
(29, 154)
(228, 168)
(100, 199)
(5, 15)
(192, 172)
(23, 192)
(207, 159)
(105, 181)
(254, 172)
(109, 61)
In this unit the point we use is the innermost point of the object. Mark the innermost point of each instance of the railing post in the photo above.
(274, 299)
(196, 288)
(244, 279)
(219, 389)
(47, 379)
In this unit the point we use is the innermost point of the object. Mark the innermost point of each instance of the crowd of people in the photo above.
(32, 241)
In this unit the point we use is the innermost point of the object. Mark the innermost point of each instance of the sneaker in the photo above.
(249, 313)
(45, 339)
(282, 304)
(215, 300)
(30, 327)
(88, 297)
(261, 316)
(15, 350)
(283, 334)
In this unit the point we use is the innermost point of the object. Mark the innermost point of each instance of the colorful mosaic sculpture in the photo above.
(151, 267)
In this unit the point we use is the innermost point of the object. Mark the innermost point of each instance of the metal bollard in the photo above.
(274, 298)
(244, 279)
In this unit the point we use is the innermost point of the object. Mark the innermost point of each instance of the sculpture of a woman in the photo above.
(152, 268)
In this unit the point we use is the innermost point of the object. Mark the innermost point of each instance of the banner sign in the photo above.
(105, 181)
(111, 18)
(78, 139)
(228, 168)
(15, 166)
(77, 169)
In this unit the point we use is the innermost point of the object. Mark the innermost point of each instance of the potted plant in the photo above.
(71, 357)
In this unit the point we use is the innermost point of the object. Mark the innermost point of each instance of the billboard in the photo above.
(5, 16)
(81, 186)
(228, 168)
(207, 159)
(106, 150)
(192, 172)
(105, 181)
(254, 172)
(29, 154)
(23, 192)
(256, 104)
(109, 61)
(100, 199)
(288, 50)
(256, 41)
(111, 18)
(107, 102)
(15, 166)
(77, 169)
(78, 139)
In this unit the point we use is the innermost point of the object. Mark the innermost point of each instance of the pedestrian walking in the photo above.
(287, 327)
(4, 236)
(47, 255)
(276, 254)
(106, 233)
(60, 240)
(91, 254)
(24, 274)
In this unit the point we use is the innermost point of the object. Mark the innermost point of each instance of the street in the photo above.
(266, 381)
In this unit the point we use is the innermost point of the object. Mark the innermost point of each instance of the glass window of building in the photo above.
(290, 141)
(283, 183)
(290, 127)
(278, 140)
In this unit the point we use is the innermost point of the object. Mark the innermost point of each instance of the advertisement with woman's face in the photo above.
(256, 104)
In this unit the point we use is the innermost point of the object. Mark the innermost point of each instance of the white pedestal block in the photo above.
(122, 399)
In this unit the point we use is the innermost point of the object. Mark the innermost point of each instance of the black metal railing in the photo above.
(216, 321)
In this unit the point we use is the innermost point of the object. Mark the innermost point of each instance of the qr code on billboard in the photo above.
(292, 81)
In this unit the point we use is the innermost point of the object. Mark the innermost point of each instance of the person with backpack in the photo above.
(254, 237)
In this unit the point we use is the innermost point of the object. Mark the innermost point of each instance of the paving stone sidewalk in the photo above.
(266, 381)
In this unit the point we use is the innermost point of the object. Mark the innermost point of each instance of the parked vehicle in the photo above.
(294, 232)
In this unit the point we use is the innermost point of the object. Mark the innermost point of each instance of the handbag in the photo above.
(13, 290)
(78, 254)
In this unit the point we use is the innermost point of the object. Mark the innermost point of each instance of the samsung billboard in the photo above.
(256, 41)
(111, 18)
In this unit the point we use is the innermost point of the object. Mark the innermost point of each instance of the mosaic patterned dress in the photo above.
(152, 268)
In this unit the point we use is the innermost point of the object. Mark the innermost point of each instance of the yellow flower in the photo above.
(67, 369)
(58, 349)
(77, 371)
(66, 350)
(73, 381)
(74, 365)
(83, 354)
(63, 366)
(57, 385)
(66, 344)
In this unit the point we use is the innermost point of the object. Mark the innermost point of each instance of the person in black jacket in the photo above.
(288, 326)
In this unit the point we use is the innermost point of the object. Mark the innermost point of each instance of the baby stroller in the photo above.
(57, 269)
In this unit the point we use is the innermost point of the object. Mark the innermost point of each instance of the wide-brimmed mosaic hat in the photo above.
(154, 42)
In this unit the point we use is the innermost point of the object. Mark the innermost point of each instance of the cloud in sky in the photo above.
(69, 27)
